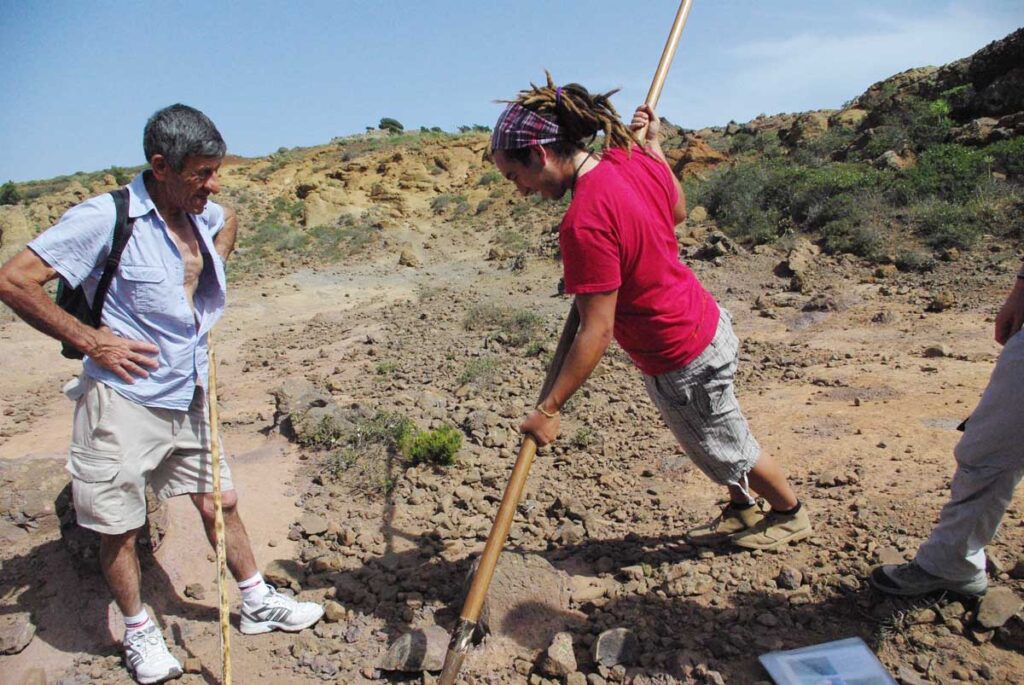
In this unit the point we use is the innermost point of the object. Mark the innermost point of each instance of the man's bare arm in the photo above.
(1011, 316)
(21, 288)
(645, 116)
(224, 241)
(597, 322)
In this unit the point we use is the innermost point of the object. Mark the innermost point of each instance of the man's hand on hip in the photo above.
(122, 356)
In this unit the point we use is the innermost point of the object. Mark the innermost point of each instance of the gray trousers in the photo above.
(990, 463)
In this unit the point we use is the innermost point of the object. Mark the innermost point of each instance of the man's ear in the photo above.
(160, 166)
(539, 154)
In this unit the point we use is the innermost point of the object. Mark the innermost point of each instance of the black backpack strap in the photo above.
(122, 233)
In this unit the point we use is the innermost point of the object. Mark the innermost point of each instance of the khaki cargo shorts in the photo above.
(118, 446)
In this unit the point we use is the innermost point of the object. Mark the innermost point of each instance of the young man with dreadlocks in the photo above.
(620, 259)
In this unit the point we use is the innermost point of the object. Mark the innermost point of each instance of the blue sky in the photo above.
(79, 79)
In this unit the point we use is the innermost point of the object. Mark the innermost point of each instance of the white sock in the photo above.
(253, 589)
(136, 623)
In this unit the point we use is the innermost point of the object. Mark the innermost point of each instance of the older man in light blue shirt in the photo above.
(148, 301)
(141, 413)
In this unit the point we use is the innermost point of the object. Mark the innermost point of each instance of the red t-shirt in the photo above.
(619, 233)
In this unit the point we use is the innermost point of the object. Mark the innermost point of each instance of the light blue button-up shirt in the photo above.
(147, 299)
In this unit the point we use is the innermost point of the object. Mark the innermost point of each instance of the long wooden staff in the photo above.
(218, 520)
(463, 633)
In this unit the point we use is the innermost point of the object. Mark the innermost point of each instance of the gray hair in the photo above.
(179, 131)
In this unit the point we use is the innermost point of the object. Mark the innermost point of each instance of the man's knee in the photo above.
(111, 545)
(205, 504)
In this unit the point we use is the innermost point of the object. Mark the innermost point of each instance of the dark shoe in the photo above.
(910, 580)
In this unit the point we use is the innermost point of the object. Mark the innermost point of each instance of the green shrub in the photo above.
(338, 461)
(480, 370)
(516, 326)
(735, 199)
(9, 194)
(583, 438)
(511, 239)
(437, 447)
(386, 368)
(1007, 156)
(440, 203)
(325, 434)
(943, 224)
(122, 176)
(490, 177)
(391, 430)
(390, 125)
(852, 235)
(950, 172)
(821, 149)
(914, 261)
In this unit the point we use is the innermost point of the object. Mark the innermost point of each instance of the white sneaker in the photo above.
(146, 655)
(279, 612)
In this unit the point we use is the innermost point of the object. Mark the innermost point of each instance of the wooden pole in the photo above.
(667, 55)
(218, 519)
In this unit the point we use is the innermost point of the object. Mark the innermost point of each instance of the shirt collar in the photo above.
(139, 201)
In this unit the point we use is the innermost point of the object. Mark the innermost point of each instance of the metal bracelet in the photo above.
(547, 413)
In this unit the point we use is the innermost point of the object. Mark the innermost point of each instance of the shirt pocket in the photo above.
(144, 287)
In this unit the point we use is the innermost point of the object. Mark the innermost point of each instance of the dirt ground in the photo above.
(835, 380)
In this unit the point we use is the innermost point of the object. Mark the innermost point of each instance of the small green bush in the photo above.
(914, 261)
(1007, 156)
(583, 438)
(437, 447)
(480, 370)
(386, 368)
(517, 326)
(950, 172)
(325, 435)
(390, 125)
(9, 194)
(943, 224)
(390, 429)
(490, 177)
(852, 235)
(511, 239)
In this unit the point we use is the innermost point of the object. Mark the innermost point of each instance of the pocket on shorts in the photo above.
(93, 466)
(144, 285)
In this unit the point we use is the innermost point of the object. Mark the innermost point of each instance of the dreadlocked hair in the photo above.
(578, 113)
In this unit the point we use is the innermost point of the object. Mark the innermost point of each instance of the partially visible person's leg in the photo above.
(237, 545)
(990, 464)
(768, 480)
(698, 403)
(189, 470)
(120, 565)
(114, 444)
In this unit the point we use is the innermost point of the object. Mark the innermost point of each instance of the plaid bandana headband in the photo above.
(518, 127)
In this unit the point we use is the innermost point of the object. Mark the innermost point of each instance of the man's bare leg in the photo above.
(120, 564)
(768, 480)
(238, 547)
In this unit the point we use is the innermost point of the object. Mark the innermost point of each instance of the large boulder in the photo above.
(419, 650)
(695, 157)
(528, 600)
(807, 127)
